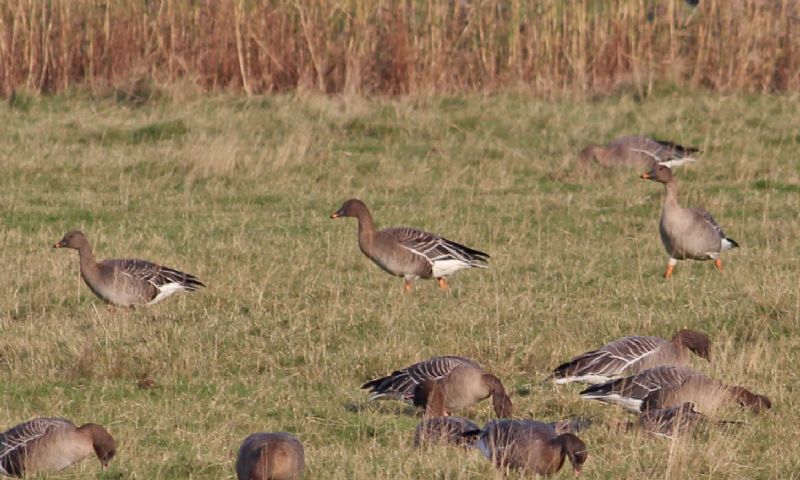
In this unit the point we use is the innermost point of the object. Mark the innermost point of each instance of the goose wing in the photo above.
(435, 248)
(658, 150)
(401, 383)
(155, 275)
(709, 220)
(608, 361)
(15, 441)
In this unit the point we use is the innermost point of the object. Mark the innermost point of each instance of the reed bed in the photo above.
(549, 47)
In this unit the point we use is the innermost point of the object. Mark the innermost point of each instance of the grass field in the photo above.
(294, 319)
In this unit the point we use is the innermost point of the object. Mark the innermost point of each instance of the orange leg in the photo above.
(718, 264)
(407, 286)
(670, 269)
(443, 283)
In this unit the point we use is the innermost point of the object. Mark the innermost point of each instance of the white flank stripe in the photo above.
(593, 379)
(166, 290)
(628, 403)
(677, 162)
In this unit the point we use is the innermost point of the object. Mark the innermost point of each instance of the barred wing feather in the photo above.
(14, 442)
(609, 361)
(435, 248)
(400, 384)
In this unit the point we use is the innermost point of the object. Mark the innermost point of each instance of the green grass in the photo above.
(239, 192)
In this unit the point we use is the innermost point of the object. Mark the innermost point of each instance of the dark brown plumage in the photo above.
(529, 445)
(410, 253)
(270, 456)
(448, 430)
(127, 282)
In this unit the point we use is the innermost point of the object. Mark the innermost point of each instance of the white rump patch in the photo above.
(166, 290)
(443, 268)
(726, 244)
(593, 379)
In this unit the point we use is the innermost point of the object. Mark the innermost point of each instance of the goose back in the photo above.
(46, 445)
(401, 383)
(270, 456)
(449, 430)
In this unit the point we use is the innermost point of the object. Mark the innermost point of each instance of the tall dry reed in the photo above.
(399, 47)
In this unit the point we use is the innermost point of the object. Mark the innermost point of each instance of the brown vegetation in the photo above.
(400, 47)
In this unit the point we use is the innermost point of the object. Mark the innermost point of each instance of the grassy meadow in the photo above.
(238, 191)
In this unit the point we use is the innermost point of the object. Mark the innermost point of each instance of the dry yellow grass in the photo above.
(239, 191)
(546, 46)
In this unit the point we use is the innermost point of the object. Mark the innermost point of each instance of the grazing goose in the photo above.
(410, 253)
(464, 386)
(639, 152)
(673, 421)
(449, 430)
(401, 384)
(687, 233)
(670, 386)
(45, 445)
(270, 456)
(529, 445)
(127, 282)
(630, 355)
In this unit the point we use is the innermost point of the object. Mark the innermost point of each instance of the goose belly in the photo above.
(682, 243)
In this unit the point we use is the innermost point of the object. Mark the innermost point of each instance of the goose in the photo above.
(449, 430)
(270, 456)
(127, 282)
(687, 233)
(639, 152)
(630, 355)
(669, 386)
(670, 422)
(463, 387)
(46, 445)
(410, 253)
(402, 384)
(529, 445)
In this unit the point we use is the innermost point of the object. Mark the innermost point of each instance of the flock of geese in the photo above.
(645, 374)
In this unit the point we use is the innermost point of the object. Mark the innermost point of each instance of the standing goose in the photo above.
(127, 282)
(45, 445)
(639, 152)
(410, 253)
(463, 387)
(448, 430)
(630, 355)
(270, 456)
(402, 384)
(687, 233)
(670, 386)
(529, 445)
